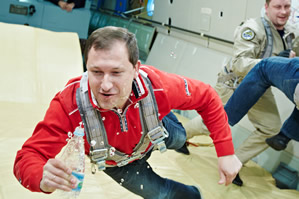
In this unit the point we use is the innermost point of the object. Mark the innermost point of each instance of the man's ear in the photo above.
(136, 68)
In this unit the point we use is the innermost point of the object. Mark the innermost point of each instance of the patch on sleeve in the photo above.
(248, 35)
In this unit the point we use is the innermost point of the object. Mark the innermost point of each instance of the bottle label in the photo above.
(80, 178)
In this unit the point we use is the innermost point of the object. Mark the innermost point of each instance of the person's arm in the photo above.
(247, 50)
(187, 94)
(35, 166)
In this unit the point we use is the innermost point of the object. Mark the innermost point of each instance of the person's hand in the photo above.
(287, 53)
(292, 54)
(69, 7)
(62, 4)
(57, 176)
(228, 167)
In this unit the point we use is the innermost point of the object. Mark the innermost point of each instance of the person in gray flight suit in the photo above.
(254, 40)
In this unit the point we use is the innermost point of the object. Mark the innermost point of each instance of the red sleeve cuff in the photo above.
(224, 148)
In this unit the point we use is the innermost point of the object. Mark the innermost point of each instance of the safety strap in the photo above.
(289, 39)
(100, 150)
(267, 52)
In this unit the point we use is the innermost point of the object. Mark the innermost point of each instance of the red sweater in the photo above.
(171, 92)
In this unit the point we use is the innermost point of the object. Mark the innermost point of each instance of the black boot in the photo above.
(183, 149)
(237, 180)
(278, 142)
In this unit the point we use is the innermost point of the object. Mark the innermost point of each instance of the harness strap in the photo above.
(100, 150)
(267, 52)
(289, 39)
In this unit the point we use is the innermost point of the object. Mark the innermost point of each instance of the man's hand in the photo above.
(292, 54)
(69, 7)
(62, 4)
(57, 176)
(228, 167)
(287, 53)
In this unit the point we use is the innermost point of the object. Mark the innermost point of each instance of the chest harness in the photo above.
(100, 149)
(230, 79)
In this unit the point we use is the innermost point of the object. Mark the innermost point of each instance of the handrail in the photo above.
(166, 25)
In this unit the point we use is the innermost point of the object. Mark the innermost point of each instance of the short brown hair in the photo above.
(103, 38)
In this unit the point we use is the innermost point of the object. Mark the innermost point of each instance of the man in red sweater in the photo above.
(116, 88)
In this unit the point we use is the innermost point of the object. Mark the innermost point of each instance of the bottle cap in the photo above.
(79, 131)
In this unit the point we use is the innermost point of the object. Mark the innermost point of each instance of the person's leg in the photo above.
(265, 117)
(280, 72)
(291, 125)
(139, 178)
(288, 131)
(177, 134)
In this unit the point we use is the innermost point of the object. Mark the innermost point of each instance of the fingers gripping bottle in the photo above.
(74, 157)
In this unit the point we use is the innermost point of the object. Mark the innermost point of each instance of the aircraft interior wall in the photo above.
(194, 39)
(202, 55)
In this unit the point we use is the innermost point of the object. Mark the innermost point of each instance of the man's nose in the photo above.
(106, 84)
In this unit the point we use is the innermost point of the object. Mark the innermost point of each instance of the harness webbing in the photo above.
(267, 52)
(100, 150)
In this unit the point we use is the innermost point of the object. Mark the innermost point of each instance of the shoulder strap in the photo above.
(267, 52)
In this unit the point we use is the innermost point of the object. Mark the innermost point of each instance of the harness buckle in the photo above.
(98, 156)
(101, 165)
(161, 146)
(157, 136)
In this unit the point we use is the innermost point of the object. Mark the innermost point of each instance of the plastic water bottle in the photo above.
(74, 157)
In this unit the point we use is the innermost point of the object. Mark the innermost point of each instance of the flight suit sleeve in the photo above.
(248, 44)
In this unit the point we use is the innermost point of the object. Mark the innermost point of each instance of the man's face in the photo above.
(110, 75)
(278, 11)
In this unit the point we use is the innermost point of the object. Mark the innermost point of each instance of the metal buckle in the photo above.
(162, 147)
(156, 135)
(98, 155)
(101, 165)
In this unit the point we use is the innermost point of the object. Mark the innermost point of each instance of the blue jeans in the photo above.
(282, 73)
(139, 178)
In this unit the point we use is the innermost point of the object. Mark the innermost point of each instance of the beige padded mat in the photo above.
(31, 74)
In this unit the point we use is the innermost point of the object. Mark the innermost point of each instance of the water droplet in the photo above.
(137, 172)
(141, 186)
(141, 132)
(103, 118)
(93, 142)
(117, 133)
(121, 184)
(69, 134)
(148, 167)
(122, 180)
